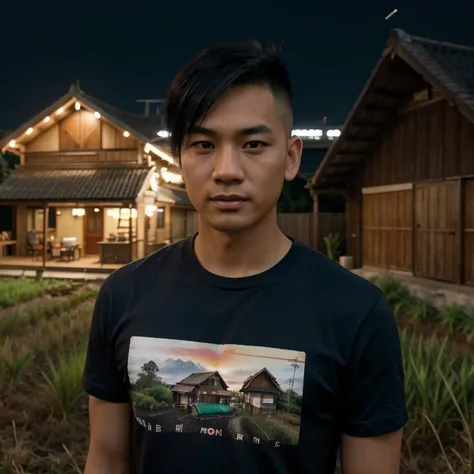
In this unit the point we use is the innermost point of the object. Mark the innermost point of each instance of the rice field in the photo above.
(43, 411)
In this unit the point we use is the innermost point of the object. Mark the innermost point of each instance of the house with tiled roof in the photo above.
(201, 387)
(93, 184)
(405, 162)
(260, 392)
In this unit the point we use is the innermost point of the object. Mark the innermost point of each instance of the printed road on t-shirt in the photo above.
(247, 393)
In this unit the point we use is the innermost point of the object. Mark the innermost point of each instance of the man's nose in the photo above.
(228, 165)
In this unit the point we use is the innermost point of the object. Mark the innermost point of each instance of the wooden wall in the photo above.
(300, 227)
(387, 230)
(431, 142)
(437, 231)
(81, 138)
(429, 231)
(468, 232)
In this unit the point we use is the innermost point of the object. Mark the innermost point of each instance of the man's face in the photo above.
(235, 161)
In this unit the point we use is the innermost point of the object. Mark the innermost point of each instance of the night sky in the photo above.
(123, 51)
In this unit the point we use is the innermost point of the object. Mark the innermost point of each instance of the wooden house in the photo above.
(405, 162)
(260, 392)
(91, 182)
(201, 387)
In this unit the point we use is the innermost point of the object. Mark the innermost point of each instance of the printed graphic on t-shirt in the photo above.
(247, 393)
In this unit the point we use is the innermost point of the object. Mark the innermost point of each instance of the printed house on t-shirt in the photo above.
(201, 387)
(260, 392)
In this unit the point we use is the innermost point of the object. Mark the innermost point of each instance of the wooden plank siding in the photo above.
(437, 214)
(354, 217)
(81, 157)
(431, 147)
(430, 143)
(388, 230)
(300, 227)
(468, 232)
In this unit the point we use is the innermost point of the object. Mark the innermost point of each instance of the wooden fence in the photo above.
(300, 226)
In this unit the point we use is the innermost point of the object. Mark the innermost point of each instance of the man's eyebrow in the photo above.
(197, 130)
(253, 130)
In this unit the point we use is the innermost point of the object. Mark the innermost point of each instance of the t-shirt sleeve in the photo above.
(101, 377)
(374, 395)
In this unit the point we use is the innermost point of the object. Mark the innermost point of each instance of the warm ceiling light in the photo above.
(96, 209)
(29, 131)
(77, 105)
(97, 115)
(47, 119)
(60, 111)
(126, 134)
(12, 143)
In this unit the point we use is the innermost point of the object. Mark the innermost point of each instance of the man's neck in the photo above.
(239, 255)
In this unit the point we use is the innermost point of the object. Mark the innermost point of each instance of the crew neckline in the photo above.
(212, 279)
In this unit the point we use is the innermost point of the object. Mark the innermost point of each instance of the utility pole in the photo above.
(292, 381)
(147, 103)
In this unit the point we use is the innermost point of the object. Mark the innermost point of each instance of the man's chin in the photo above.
(230, 224)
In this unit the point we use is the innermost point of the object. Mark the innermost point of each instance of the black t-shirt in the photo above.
(260, 374)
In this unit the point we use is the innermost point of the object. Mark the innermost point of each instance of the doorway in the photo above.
(93, 229)
(437, 215)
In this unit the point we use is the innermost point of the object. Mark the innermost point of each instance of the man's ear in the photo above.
(293, 158)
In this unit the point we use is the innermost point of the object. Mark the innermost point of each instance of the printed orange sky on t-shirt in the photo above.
(177, 359)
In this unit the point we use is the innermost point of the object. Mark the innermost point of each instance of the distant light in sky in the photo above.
(391, 13)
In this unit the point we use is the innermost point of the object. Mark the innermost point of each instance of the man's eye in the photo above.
(254, 144)
(203, 144)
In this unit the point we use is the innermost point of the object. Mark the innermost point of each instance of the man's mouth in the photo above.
(228, 198)
(228, 202)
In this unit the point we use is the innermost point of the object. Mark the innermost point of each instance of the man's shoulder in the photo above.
(153, 264)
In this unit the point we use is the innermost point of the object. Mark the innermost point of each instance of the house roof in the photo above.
(91, 184)
(247, 385)
(198, 379)
(144, 128)
(173, 196)
(408, 65)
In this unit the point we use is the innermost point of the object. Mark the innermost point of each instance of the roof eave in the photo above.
(37, 118)
(93, 105)
(414, 63)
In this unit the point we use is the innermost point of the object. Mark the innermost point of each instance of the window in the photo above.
(38, 214)
(160, 218)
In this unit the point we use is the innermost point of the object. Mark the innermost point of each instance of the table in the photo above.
(4, 244)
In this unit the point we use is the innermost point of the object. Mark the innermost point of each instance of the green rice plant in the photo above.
(419, 308)
(63, 382)
(468, 431)
(426, 391)
(15, 323)
(468, 324)
(394, 290)
(17, 290)
(13, 361)
(333, 242)
(454, 317)
(60, 334)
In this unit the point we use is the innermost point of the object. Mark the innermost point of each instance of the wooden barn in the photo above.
(260, 392)
(201, 387)
(405, 162)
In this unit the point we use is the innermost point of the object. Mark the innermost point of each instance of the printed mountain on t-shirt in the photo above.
(178, 366)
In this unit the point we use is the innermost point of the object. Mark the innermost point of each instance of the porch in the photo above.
(87, 264)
